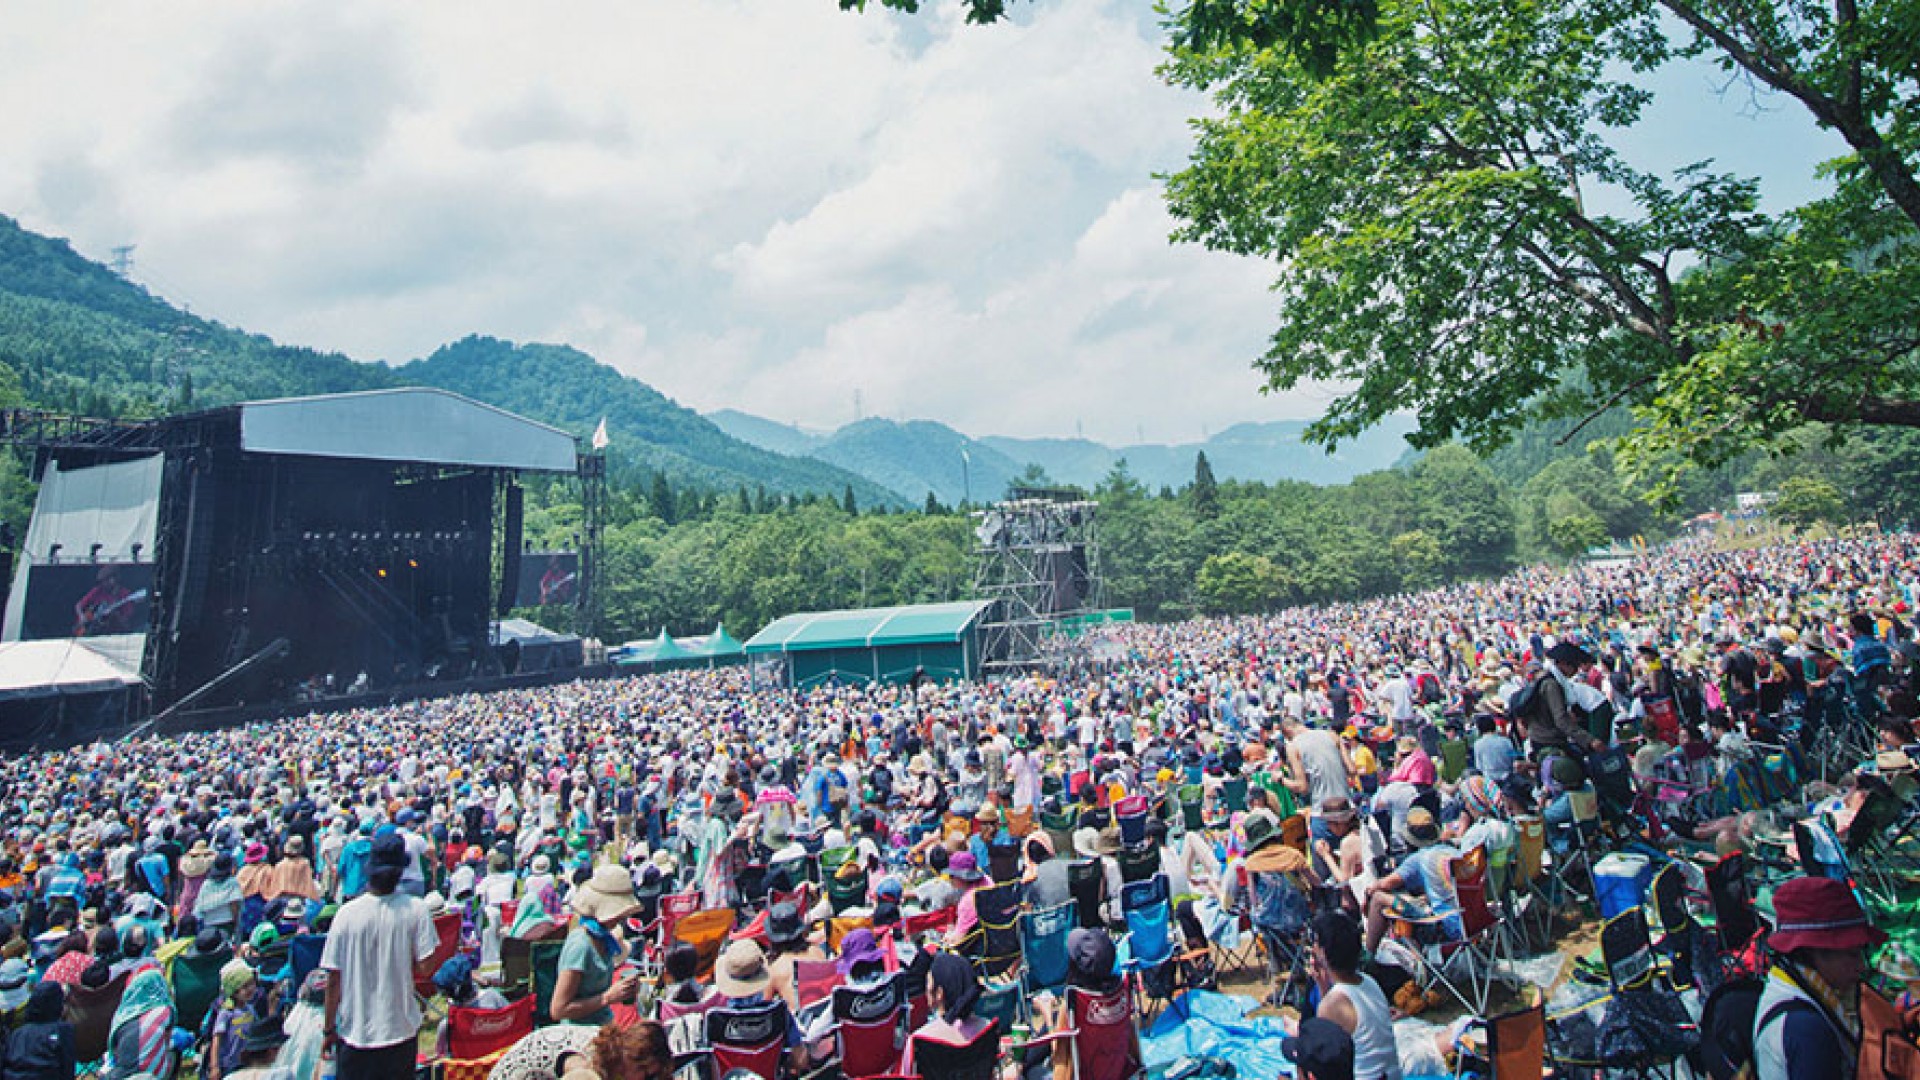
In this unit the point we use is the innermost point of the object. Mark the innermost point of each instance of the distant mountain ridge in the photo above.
(915, 457)
(82, 339)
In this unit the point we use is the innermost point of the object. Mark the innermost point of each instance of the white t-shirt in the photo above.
(371, 950)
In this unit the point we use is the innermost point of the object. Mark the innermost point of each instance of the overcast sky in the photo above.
(758, 204)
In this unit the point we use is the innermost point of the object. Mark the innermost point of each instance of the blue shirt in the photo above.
(1493, 755)
(1868, 652)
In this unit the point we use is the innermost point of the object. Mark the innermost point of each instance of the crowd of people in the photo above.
(839, 823)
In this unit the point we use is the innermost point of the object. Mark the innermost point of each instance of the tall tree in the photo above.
(1205, 492)
(847, 503)
(1424, 199)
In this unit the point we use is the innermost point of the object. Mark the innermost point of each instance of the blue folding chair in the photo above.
(304, 957)
(1149, 913)
(1043, 945)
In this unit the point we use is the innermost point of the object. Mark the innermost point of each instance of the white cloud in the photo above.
(758, 204)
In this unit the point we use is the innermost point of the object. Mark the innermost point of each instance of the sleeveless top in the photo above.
(1375, 1054)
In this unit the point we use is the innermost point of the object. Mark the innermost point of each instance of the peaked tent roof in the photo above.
(31, 669)
(409, 423)
(665, 648)
(914, 624)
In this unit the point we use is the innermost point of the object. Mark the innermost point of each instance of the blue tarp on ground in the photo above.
(1206, 1024)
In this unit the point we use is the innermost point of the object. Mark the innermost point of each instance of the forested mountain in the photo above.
(917, 456)
(567, 388)
(82, 339)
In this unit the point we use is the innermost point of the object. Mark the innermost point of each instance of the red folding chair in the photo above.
(1101, 1037)
(673, 908)
(446, 929)
(753, 1038)
(475, 1033)
(816, 980)
(928, 922)
(867, 1029)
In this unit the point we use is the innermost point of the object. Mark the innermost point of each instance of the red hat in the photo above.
(1820, 913)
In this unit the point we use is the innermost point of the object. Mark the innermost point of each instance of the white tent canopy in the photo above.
(30, 669)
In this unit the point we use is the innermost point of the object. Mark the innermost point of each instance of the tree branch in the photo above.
(1617, 397)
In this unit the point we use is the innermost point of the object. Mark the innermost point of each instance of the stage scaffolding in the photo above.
(1037, 556)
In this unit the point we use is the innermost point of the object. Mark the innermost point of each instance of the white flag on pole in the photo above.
(600, 435)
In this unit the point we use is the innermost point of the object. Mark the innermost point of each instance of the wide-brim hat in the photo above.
(1421, 828)
(1261, 830)
(785, 925)
(1566, 652)
(742, 970)
(1820, 913)
(963, 867)
(1335, 809)
(607, 896)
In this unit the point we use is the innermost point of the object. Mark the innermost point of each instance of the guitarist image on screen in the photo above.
(556, 585)
(108, 607)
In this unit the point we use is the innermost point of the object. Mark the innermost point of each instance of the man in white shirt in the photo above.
(380, 942)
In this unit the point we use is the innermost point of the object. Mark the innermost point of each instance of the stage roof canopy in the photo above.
(420, 424)
(915, 624)
(31, 669)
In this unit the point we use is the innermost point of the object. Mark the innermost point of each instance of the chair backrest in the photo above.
(752, 1037)
(90, 1011)
(833, 858)
(1149, 916)
(1585, 805)
(1104, 1036)
(673, 908)
(846, 890)
(545, 963)
(1043, 945)
(978, 1060)
(927, 922)
(1733, 914)
(1020, 822)
(995, 945)
(1233, 794)
(1279, 902)
(1191, 809)
(1003, 861)
(474, 1033)
(1627, 949)
(1293, 832)
(1130, 814)
(1087, 882)
(1470, 890)
(1453, 760)
(867, 1027)
(707, 932)
(816, 980)
(1517, 1044)
(1138, 864)
(1531, 847)
(196, 985)
(838, 929)
(1670, 900)
(999, 1001)
(446, 931)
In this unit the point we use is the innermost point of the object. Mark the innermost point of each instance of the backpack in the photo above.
(1727, 1026)
(1523, 701)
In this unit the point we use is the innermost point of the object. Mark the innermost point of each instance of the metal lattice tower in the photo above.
(1037, 555)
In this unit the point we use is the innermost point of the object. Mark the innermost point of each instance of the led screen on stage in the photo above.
(548, 577)
(69, 600)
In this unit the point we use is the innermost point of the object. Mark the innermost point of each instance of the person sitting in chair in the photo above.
(1421, 889)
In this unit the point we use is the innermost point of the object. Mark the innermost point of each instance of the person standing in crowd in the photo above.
(379, 944)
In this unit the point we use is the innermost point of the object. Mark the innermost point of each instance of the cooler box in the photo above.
(1620, 882)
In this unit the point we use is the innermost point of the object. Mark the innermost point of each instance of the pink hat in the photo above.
(256, 853)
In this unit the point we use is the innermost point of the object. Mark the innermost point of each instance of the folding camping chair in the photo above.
(838, 929)
(1453, 760)
(1279, 911)
(1087, 883)
(1003, 862)
(1100, 1035)
(1678, 928)
(90, 1011)
(912, 927)
(1130, 814)
(1002, 1002)
(446, 931)
(1043, 947)
(1573, 858)
(1138, 864)
(994, 945)
(1148, 910)
(977, 1060)
(1517, 1045)
(867, 1029)
(1192, 807)
(815, 981)
(1020, 823)
(752, 1038)
(473, 1034)
(1476, 952)
(1657, 1026)
(195, 981)
(673, 908)
(846, 890)
(544, 957)
(1735, 920)
(707, 932)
